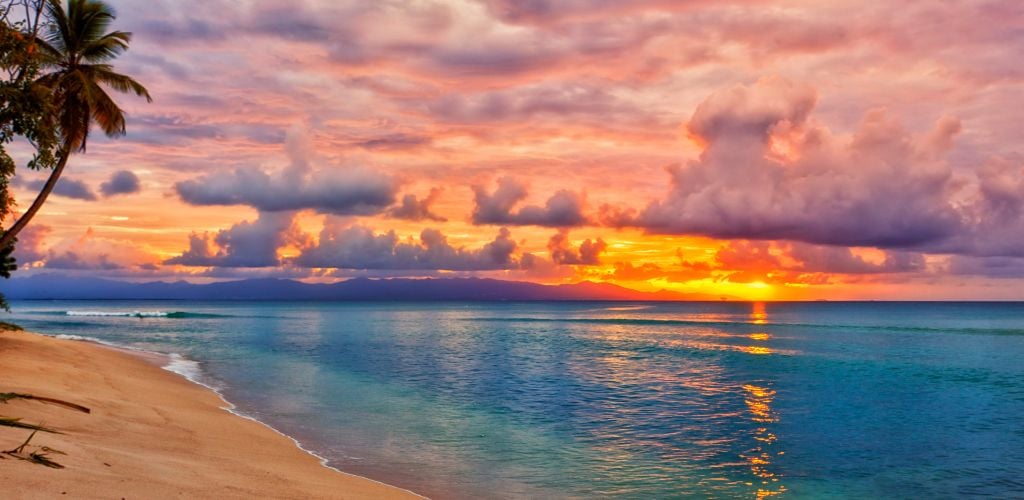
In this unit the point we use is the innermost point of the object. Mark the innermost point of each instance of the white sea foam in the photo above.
(92, 339)
(132, 314)
(185, 367)
(193, 372)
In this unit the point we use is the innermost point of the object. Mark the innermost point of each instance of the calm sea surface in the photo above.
(637, 400)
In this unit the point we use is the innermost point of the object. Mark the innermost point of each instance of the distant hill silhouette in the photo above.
(49, 286)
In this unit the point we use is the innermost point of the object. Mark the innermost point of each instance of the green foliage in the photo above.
(7, 261)
(26, 111)
(26, 107)
(53, 88)
(78, 48)
(8, 264)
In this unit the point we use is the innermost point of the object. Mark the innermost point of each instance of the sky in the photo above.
(786, 150)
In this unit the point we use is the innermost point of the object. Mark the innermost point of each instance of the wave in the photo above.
(185, 367)
(760, 325)
(192, 371)
(134, 314)
(94, 340)
(176, 363)
(142, 314)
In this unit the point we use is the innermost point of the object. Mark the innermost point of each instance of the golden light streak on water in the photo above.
(758, 399)
(759, 314)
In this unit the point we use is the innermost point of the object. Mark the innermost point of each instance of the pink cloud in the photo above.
(768, 172)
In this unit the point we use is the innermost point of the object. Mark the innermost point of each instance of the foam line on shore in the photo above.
(191, 370)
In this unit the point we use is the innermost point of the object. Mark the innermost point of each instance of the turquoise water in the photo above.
(637, 400)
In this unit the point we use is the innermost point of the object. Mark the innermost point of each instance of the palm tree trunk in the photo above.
(10, 234)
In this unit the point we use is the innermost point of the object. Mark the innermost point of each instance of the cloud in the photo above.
(246, 244)
(72, 260)
(804, 258)
(990, 267)
(775, 262)
(359, 247)
(86, 251)
(552, 11)
(413, 209)
(995, 211)
(530, 103)
(563, 209)
(643, 271)
(352, 192)
(288, 22)
(843, 260)
(190, 29)
(767, 172)
(258, 244)
(68, 188)
(72, 188)
(395, 142)
(121, 182)
(174, 128)
(339, 191)
(30, 246)
(587, 254)
(592, 92)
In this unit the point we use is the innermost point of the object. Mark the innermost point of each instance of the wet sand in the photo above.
(151, 433)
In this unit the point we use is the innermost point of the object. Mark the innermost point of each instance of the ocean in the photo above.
(597, 399)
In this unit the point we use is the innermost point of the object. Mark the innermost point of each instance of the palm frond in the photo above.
(52, 55)
(105, 74)
(7, 396)
(93, 20)
(16, 422)
(59, 31)
(105, 111)
(107, 47)
(79, 40)
(41, 457)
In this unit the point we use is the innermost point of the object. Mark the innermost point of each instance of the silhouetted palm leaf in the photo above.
(16, 422)
(7, 396)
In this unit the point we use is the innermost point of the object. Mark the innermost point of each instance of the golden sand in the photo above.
(151, 433)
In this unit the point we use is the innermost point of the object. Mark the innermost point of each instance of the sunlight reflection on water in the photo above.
(459, 400)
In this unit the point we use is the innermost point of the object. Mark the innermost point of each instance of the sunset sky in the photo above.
(760, 150)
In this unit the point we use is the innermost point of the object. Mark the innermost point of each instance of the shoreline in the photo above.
(182, 428)
(167, 362)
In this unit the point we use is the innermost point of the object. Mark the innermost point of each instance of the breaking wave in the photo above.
(143, 314)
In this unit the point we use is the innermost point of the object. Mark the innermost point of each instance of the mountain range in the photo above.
(53, 287)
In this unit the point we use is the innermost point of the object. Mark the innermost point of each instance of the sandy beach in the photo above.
(151, 433)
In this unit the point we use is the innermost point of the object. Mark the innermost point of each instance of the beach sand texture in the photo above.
(151, 433)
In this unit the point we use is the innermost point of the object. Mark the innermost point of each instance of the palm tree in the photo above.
(78, 49)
